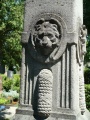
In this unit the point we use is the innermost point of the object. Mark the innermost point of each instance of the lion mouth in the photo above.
(45, 45)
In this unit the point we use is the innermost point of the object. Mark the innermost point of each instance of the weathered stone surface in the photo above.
(45, 82)
(53, 41)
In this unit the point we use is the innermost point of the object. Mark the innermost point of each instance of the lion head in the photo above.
(46, 37)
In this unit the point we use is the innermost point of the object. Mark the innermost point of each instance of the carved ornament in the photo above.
(45, 81)
(47, 41)
(82, 43)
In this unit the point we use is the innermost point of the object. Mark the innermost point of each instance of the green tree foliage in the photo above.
(11, 24)
(87, 60)
(87, 96)
(87, 55)
(87, 75)
(11, 83)
(87, 14)
(87, 23)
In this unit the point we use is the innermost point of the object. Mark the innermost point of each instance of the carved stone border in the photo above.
(56, 54)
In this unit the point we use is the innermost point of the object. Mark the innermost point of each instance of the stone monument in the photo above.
(53, 48)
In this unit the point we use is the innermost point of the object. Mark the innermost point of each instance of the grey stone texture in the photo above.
(44, 103)
(53, 41)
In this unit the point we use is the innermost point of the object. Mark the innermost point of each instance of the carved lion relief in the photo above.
(46, 36)
(47, 39)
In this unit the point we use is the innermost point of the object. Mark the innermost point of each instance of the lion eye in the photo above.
(50, 35)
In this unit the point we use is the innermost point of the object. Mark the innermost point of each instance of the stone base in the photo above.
(86, 116)
(27, 114)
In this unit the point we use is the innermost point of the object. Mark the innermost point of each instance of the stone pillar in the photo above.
(52, 82)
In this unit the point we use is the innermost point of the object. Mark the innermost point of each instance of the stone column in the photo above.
(52, 85)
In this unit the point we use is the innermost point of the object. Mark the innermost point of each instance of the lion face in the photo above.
(46, 37)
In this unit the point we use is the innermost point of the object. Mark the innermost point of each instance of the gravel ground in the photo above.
(8, 113)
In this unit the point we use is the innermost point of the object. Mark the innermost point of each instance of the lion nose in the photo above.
(45, 40)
